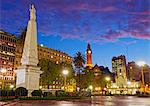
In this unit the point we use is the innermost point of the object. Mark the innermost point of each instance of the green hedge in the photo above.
(62, 93)
(37, 93)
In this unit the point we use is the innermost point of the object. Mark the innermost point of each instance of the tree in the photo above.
(67, 67)
(102, 82)
(79, 62)
(87, 79)
(53, 71)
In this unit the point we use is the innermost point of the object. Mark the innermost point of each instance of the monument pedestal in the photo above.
(28, 77)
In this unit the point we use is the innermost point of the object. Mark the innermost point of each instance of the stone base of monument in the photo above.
(28, 77)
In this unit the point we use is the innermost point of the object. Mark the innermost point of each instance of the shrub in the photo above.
(37, 93)
(3, 93)
(84, 93)
(21, 91)
(11, 93)
(7, 93)
(61, 93)
(48, 94)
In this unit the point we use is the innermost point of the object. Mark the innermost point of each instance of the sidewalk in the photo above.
(9, 103)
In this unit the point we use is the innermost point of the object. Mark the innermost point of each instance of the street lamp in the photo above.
(107, 79)
(40, 87)
(105, 89)
(142, 64)
(91, 88)
(65, 73)
(129, 83)
(128, 86)
(3, 71)
(11, 87)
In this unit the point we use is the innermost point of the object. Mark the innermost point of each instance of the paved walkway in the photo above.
(94, 101)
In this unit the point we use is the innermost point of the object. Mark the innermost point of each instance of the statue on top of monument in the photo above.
(32, 13)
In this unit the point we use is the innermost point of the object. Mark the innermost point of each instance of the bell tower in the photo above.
(89, 56)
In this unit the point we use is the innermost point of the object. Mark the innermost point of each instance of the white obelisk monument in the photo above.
(28, 73)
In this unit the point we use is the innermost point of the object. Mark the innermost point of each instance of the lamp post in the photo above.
(107, 79)
(40, 87)
(3, 71)
(128, 86)
(128, 83)
(11, 87)
(65, 73)
(91, 89)
(142, 64)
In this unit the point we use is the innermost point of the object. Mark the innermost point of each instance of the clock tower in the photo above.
(89, 56)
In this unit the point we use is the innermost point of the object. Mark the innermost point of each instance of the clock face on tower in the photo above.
(89, 51)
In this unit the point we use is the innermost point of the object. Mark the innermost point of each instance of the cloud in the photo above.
(129, 42)
(97, 21)
(113, 36)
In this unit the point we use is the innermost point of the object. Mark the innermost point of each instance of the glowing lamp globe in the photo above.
(90, 87)
(65, 72)
(107, 78)
(129, 83)
(11, 86)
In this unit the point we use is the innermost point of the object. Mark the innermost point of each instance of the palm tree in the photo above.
(79, 62)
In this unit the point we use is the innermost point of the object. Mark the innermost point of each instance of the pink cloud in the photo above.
(114, 36)
(140, 13)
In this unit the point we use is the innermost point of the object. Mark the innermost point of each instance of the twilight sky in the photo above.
(112, 27)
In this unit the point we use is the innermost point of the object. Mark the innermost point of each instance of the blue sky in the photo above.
(112, 27)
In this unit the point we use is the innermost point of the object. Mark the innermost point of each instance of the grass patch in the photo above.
(5, 99)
